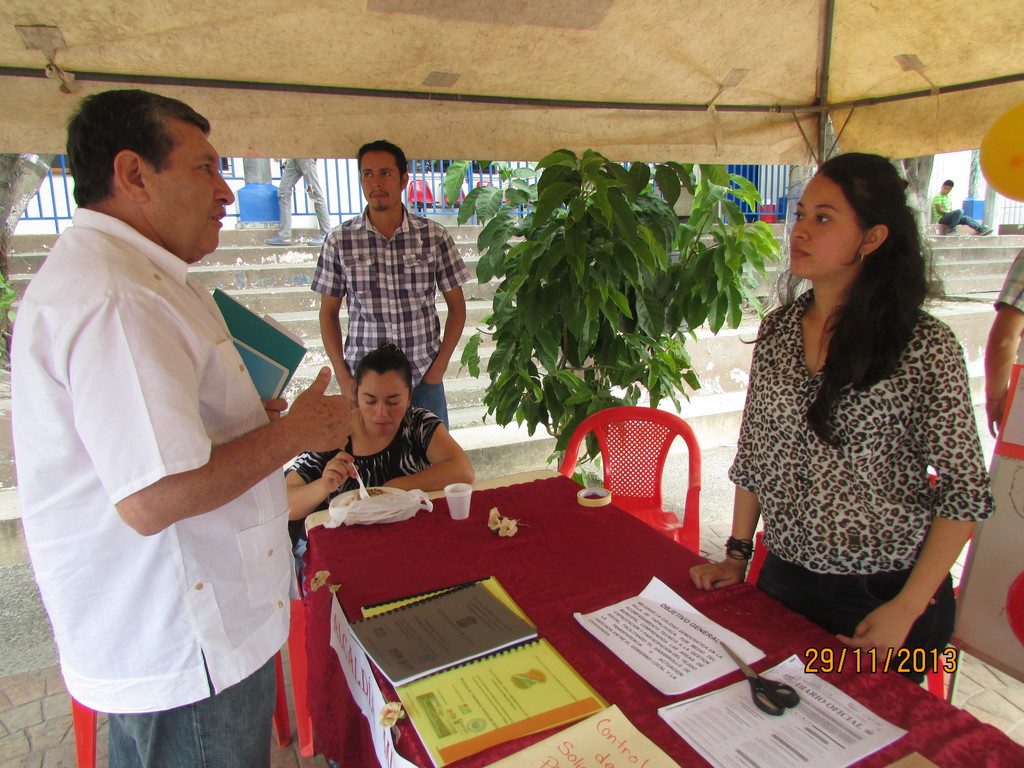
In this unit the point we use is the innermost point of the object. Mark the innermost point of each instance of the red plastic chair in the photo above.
(300, 676)
(757, 559)
(634, 445)
(419, 193)
(84, 721)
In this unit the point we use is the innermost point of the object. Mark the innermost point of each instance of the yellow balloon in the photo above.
(1002, 154)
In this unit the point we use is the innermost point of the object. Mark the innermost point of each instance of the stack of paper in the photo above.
(492, 687)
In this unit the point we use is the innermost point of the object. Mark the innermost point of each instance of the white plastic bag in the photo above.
(390, 507)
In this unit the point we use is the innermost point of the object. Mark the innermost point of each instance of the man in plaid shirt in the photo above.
(389, 263)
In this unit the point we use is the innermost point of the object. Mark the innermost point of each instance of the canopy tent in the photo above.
(707, 81)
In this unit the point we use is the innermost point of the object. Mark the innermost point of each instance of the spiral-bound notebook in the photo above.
(439, 631)
(512, 693)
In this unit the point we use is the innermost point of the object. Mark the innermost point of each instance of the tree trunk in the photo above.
(918, 173)
(20, 177)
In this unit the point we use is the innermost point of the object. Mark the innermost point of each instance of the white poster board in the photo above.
(996, 555)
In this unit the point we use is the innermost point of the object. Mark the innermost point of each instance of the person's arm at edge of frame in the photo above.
(454, 324)
(315, 421)
(448, 464)
(330, 332)
(1000, 353)
(746, 510)
(888, 625)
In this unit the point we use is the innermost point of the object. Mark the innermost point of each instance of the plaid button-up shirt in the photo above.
(390, 285)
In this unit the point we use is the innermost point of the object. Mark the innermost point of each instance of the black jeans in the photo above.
(838, 603)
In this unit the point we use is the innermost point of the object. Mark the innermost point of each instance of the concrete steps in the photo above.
(276, 281)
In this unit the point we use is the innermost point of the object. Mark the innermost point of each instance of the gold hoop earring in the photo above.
(860, 255)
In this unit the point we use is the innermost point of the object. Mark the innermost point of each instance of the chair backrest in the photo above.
(634, 444)
(419, 191)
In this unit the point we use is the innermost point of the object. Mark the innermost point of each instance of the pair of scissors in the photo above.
(771, 697)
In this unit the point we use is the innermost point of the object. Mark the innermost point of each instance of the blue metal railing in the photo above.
(425, 193)
(772, 181)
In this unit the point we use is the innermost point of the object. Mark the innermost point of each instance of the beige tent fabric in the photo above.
(759, 62)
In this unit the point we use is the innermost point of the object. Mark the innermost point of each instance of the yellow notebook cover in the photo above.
(497, 698)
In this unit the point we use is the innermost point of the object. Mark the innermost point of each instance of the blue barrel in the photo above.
(258, 203)
(974, 208)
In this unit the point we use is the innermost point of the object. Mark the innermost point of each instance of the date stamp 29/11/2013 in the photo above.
(907, 661)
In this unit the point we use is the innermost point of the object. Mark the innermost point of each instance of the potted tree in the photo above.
(601, 285)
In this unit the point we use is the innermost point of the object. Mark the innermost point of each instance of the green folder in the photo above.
(270, 353)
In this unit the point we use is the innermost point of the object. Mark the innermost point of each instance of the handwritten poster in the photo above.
(604, 739)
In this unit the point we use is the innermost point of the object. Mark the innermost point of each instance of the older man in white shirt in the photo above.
(150, 473)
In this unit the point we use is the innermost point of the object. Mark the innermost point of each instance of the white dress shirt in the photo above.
(123, 373)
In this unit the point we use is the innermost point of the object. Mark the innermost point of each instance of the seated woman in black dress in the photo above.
(391, 444)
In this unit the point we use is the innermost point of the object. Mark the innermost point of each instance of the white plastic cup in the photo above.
(458, 495)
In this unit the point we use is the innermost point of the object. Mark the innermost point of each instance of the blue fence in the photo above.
(772, 181)
(54, 204)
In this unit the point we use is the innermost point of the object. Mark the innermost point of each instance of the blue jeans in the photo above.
(228, 730)
(956, 217)
(431, 397)
(838, 602)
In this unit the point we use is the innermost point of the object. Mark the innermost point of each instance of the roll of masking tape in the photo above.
(594, 497)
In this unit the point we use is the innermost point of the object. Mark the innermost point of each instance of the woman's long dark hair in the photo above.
(872, 327)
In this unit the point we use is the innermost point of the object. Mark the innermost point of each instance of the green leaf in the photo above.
(650, 315)
(620, 300)
(559, 157)
(745, 190)
(626, 225)
(488, 202)
(549, 339)
(684, 171)
(622, 178)
(640, 173)
(524, 173)
(735, 316)
(518, 196)
(454, 178)
(668, 183)
(494, 237)
(551, 198)
(468, 207)
(471, 355)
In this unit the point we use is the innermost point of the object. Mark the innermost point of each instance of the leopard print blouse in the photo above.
(866, 506)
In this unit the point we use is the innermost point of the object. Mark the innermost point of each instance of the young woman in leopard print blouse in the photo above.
(854, 392)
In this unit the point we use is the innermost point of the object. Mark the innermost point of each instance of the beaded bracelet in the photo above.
(739, 549)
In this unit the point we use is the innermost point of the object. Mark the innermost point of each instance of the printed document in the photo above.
(827, 729)
(666, 640)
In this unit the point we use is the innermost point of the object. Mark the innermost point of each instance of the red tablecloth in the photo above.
(567, 558)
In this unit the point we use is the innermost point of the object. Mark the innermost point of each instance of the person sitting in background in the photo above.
(1003, 341)
(392, 444)
(854, 392)
(949, 218)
